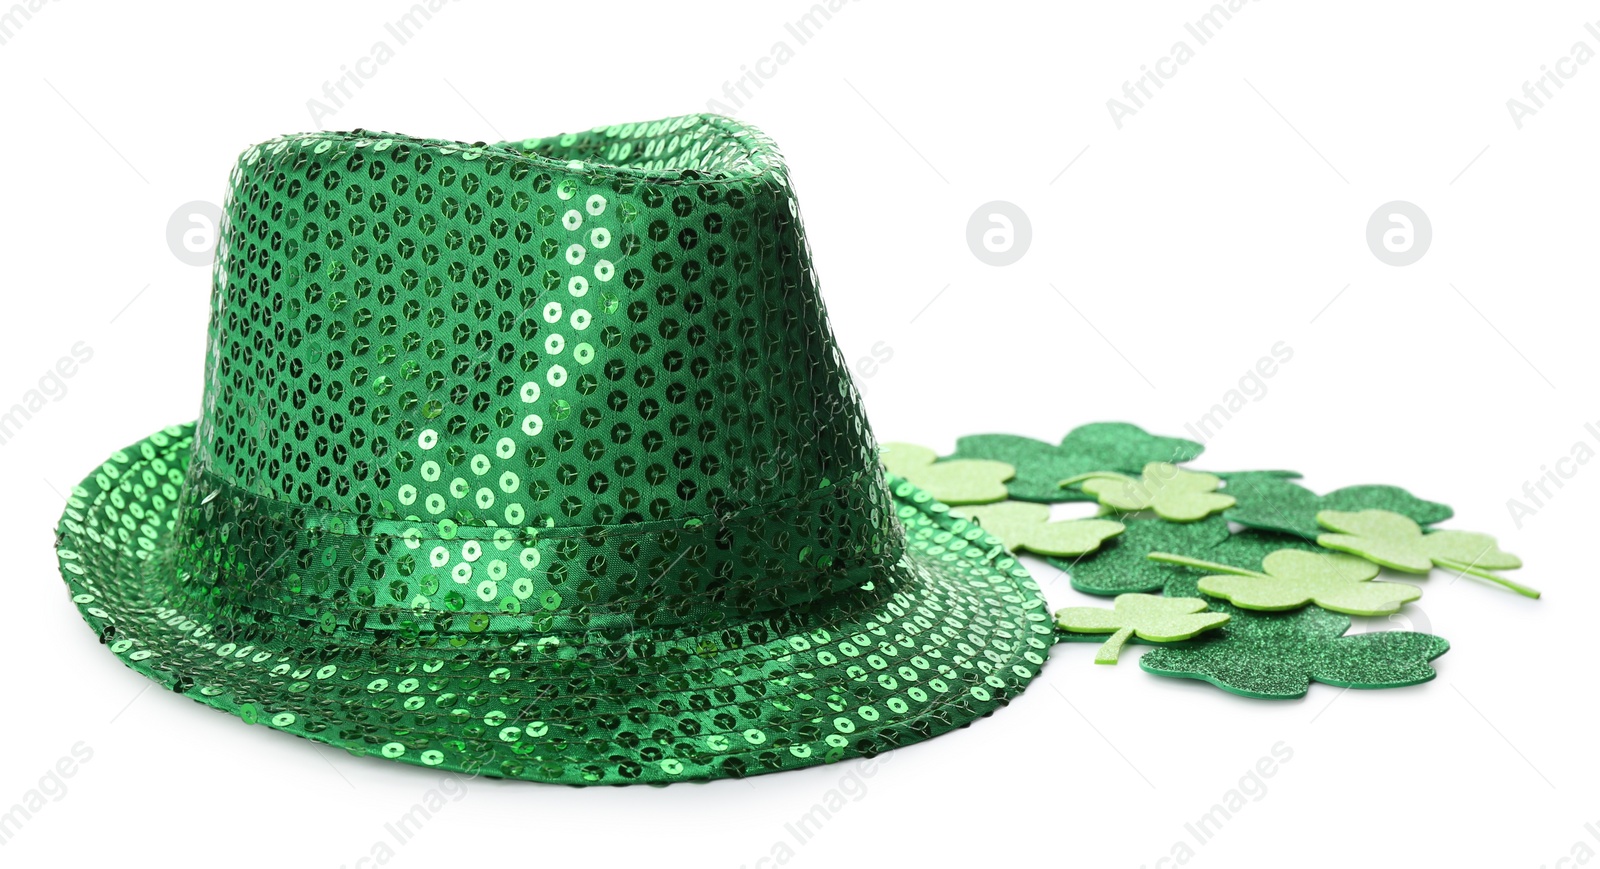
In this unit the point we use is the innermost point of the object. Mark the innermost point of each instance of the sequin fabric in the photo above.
(538, 460)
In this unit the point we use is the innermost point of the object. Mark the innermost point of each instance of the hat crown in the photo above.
(583, 377)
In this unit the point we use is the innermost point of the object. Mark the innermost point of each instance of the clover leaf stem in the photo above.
(1186, 561)
(1095, 475)
(1479, 572)
(1113, 647)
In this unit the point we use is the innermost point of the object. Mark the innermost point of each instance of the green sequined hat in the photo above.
(539, 460)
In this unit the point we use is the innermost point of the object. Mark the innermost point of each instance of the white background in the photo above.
(1221, 218)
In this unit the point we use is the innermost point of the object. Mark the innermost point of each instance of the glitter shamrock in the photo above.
(1119, 566)
(1276, 504)
(1174, 494)
(1397, 542)
(1278, 655)
(1021, 525)
(1098, 446)
(1292, 579)
(960, 481)
(1153, 618)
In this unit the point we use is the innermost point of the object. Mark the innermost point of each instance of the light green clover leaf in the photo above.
(1174, 494)
(1397, 542)
(1023, 525)
(1294, 578)
(1152, 617)
(958, 481)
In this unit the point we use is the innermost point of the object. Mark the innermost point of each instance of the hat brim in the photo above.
(954, 631)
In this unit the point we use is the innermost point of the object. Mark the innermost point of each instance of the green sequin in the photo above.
(539, 460)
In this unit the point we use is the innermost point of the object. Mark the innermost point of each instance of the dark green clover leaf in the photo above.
(1279, 655)
(1100, 446)
(1276, 504)
(1249, 548)
(1236, 479)
(1120, 565)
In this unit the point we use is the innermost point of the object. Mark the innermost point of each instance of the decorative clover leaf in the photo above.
(1249, 548)
(1277, 504)
(1293, 579)
(1395, 541)
(1278, 655)
(1119, 566)
(1100, 446)
(1174, 494)
(1239, 479)
(1156, 619)
(1021, 525)
(961, 481)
